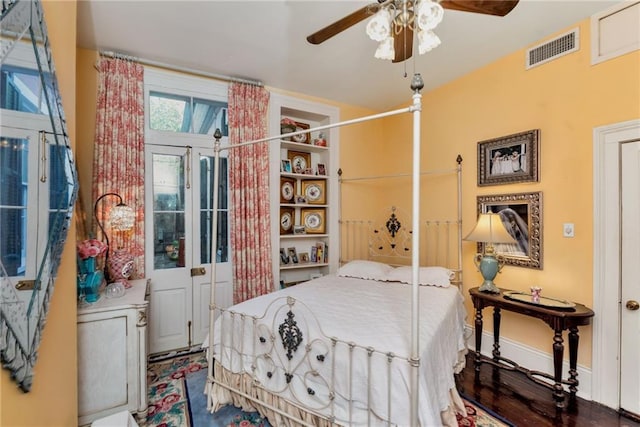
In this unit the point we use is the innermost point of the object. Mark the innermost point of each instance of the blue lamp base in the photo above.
(489, 267)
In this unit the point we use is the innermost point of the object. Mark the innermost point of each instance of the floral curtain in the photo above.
(118, 160)
(249, 189)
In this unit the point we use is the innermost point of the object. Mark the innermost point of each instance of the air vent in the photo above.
(548, 51)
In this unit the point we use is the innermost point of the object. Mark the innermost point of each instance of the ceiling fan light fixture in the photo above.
(385, 49)
(427, 40)
(379, 27)
(429, 14)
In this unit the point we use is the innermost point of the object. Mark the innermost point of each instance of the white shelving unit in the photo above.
(312, 114)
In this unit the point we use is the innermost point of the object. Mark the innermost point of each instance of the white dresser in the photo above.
(112, 355)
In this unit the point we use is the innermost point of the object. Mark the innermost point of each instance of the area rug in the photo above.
(176, 399)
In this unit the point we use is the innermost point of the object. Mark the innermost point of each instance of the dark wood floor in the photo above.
(524, 403)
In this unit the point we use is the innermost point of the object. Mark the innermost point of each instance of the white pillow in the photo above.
(427, 276)
(362, 269)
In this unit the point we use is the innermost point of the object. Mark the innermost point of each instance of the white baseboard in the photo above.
(531, 358)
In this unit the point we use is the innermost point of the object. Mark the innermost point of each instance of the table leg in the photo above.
(573, 360)
(478, 338)
(558, 351)
(496, 333)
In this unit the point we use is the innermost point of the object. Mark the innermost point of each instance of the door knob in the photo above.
(633, 305)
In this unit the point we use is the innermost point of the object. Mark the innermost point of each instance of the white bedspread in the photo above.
(371, 314)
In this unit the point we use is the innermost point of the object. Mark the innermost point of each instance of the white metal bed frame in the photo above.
(414, 358)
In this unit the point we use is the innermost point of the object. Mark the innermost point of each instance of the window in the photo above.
(176, 113)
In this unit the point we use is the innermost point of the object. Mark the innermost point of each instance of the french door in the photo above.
(178, 221)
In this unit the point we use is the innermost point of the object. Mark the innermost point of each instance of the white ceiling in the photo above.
(266, 40)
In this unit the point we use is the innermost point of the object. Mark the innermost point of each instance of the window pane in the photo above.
(168, 207)
(22, 90)
(169, 112)
(209, 115)
(14, 158)
(206, 208)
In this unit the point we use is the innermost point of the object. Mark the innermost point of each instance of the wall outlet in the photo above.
(567, 229)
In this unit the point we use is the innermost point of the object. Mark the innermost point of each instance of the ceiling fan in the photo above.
(396, 21)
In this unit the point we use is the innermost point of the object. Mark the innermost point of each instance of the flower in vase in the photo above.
(91, 248)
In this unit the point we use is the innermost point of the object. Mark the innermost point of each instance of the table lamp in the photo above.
(489, 230)
(122, 218)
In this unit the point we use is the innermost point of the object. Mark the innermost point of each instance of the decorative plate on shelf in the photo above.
(300, 161)
(313, 220)
(303, 138)
(287, 190)
(286, 220)
(542, 301)
(314, 191)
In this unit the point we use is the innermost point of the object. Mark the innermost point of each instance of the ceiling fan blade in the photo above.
(402, 42)
(342, 24)
(487, 7)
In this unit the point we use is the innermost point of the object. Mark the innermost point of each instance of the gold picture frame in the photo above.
(313, 220)
(300, 161)
(314, 191)
(509, 159)
(521, 214)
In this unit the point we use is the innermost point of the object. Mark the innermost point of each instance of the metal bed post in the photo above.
(416, 85)
(214, 260)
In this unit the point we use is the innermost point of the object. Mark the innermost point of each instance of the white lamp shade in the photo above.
(429, 14)
(379, 27)
(427, 40)
(490, 229)
(385, 49)
(122, 217)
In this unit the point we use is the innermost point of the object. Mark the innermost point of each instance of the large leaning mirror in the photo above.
(38, 184)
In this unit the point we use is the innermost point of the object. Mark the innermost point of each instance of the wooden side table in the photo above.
(559, 319)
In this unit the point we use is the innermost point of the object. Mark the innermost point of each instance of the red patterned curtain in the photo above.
(249, 188)
(118, 160)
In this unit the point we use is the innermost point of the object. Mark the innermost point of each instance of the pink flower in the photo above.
(91, 248)
(287, 121)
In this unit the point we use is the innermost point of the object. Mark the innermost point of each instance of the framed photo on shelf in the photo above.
(521, 214)
(314, 191)
(510, 159)
(286, 220)
(300, 160)
(313, 220)
(287, 190)
(298, 229)
(304, 257)
(284, 258)
(286, 166)
(293, 254)
(322, 170)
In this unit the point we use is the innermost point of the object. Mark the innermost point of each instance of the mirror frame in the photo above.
(21, 324)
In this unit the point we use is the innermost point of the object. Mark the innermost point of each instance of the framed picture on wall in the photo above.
(509, 159)
(521, 214)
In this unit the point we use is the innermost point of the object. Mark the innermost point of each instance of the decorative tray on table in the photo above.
(547, 302)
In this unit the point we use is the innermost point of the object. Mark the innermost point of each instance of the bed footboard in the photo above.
(282, 364)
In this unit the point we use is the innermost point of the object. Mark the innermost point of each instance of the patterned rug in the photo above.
(176, 399)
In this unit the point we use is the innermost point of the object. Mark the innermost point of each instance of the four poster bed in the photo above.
(372, 344)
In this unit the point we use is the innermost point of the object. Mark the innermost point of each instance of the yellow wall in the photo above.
(565, 99)
(53, 398)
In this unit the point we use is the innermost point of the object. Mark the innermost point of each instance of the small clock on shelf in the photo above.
(286, 220)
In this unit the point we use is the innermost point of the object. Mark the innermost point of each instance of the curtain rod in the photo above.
(111, 54)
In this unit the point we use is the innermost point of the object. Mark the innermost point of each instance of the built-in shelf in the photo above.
(303, 236)
(303, 265)
(289, 145)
